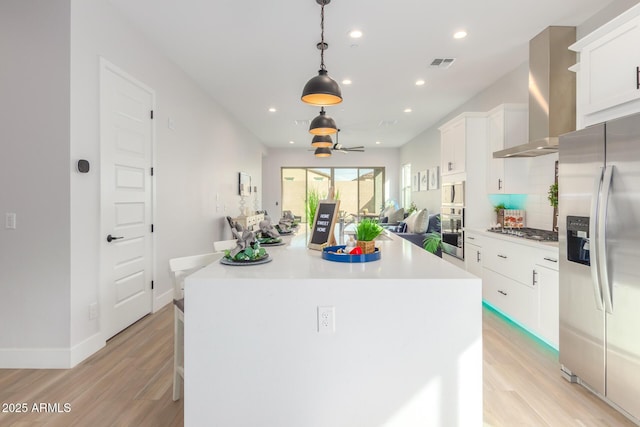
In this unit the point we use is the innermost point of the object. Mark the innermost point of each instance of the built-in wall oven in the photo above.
(452, 219)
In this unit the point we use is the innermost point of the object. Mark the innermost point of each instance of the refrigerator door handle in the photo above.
(593, 240)
(602, 239)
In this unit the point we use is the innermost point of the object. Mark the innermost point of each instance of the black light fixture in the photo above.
(323, 124)
(322, 141)
(322, 89)
(322, 152)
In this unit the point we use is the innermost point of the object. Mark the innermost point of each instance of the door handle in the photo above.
(110, 238)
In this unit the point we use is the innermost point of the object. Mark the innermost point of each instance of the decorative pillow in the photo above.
(396, 216)
(402, 227)
(384, 215)
(434, 223)
(421, 222)
(411, 222)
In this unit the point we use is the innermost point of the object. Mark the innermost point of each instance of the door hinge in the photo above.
(151, 171)
(152, 284)
(151, 114)
(152, 228)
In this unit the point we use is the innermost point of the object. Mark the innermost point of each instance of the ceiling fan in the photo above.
(341, 148)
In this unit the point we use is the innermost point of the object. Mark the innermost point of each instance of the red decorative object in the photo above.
(356, 251)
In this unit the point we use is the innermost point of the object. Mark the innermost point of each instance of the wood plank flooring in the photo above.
(128, 383)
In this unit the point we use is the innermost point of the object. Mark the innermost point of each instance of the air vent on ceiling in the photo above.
(305, 122)
(387, 123)
(442, 62)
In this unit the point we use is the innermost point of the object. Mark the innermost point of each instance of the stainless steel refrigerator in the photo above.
(599, 237)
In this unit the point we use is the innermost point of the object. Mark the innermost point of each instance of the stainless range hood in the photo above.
(552, 93)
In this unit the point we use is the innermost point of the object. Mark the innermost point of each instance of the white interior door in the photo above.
(126, 141)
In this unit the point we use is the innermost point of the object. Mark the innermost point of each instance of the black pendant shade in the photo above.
(322, 152)
(321, 90)
(322, 141)
(323, 124)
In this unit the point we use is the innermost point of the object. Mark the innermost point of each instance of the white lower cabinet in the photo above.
(473, 259)
(548, 304)
(512, 298)
(522, 282)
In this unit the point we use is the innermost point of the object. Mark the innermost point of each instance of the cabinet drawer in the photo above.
(547, 259)
(510, 260)
(512, 298)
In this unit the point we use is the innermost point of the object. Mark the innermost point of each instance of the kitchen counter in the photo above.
(515, 239)
(404, 341)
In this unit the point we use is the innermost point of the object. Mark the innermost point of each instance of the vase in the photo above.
(368, 247)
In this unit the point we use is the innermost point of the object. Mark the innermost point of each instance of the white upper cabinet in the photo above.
(608, 74)
(507, 126)
(453, 147)
(459, 138)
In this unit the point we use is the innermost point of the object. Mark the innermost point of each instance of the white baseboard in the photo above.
(86, 348)
(162, 300)
(50, 358)
(34, 358)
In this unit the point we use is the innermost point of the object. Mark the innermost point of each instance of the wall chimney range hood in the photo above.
(552, 93)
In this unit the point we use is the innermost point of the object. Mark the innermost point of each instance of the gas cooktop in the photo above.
(528, 233)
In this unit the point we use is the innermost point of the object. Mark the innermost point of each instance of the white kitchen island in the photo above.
(405, 350)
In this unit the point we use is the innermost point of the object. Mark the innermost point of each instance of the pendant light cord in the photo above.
(322, 67)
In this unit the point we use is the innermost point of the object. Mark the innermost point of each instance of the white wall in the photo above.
(195, 162)
(276, 158)
(50, 264)
(34, 179)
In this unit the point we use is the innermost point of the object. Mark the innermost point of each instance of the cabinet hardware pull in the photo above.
(534, 278)
(637, 77)
(502, 256)
(499, 184)
(550, 259)
(502, 292)
(477, 256)
(471, 238)
(450, 166)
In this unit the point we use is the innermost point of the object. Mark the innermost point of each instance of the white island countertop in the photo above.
(403, 347)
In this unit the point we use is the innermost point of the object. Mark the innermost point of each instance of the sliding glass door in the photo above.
(360, 190)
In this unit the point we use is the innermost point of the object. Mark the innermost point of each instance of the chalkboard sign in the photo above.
(323, 224)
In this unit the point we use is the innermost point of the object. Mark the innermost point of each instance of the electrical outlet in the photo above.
(326, 320)
(93, 311)
(10, 220)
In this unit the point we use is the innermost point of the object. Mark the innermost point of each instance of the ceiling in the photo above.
(253, 55)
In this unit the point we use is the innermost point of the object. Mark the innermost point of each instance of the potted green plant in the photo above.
(553, 195)
(366, 231)
(499, 209)
(313, 200)
(433, 243)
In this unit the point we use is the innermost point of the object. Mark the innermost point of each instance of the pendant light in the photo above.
(322, 89)
(322, 152)
(322, 141)
(323, 124)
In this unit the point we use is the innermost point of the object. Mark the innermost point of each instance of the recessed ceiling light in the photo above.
(272, 110)
(355, 34)
(419, 82)
(408, 110)
(460, 34)
(378, 142)
(292, 142)
(346, 82)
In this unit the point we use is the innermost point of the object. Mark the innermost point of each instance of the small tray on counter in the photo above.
(330, 253)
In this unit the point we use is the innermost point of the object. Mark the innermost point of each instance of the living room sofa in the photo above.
(416, 233)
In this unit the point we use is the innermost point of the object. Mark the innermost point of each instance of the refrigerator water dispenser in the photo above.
(578, 239)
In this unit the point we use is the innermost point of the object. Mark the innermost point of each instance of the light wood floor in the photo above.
(128, 383)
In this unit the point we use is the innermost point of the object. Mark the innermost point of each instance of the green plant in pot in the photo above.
(433, 243)
(499, 209)
(366, 231)
(553, 195)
